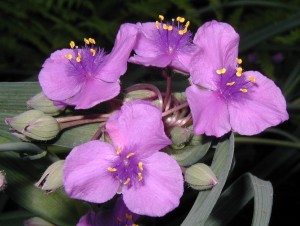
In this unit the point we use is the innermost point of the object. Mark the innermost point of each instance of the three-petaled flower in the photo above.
(151, 181)
(163, 44)
(223, 97)
(87, 76)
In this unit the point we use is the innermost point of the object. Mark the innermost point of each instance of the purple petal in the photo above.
(265, 107)
(89, 219)
(116, 61)
(209, 112)
(157, 61)
(54, 77)
(85, 172)
(138, 124)
(162, 189)
(93, 92)
(218, 48)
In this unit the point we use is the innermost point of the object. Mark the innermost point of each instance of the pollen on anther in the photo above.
(119, 150)
(187, 24)
(161, 17)
(170, 28)
(127, 181)
(72, 44)
(244, 90)
(239, 71)
(92, 41)
(129, 155)
(93, 52)
(128, 216)
(86, 41)
(111, 169)
(69, 56)
(140, 176)
(221, 71)
(165, 27)
(157, 24)
(252, 79)
(78, 58)
(140, 164)
(230, 83)
(180, 19)
(239, 61)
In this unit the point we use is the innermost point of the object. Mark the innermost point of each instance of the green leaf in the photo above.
(237, 195)
(206, 199)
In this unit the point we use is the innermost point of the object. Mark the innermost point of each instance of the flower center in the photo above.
(127, 168)
(234, 85)
(173, 37)
(84, 62)
(124, 221)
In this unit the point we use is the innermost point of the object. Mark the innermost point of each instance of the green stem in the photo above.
(82, 122)
(20, 147)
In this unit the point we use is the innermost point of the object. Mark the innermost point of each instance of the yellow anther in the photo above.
(69, 56)
(128, 216)
(165, 27)
(181, 32)
(134, 225)
(140, 176)
(239, 61)
(170, 28)
(221, 71)
(161, 17)
(180, 19)
(157, 24)
(129, 155)
(93, 52)
(119, 150)
(92, 41)
(239, 71)
(230, 83)
(86, 41)
(127, 181)
(252, 79)
(187, 24)
(78, 58)
(140, 164)
(72, 44)
(244, 90)
(111, 169)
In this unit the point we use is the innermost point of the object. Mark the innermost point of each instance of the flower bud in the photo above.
(139, 94)
(2, 181)
(52, 177)
(200, 177)
(42, 103)
(36, 221)
(34, 124)
(180, 135)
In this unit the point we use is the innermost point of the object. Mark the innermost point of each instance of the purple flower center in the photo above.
(125, 220)
(85, 62)
(233, 84)
(173, 38)
(127, 168)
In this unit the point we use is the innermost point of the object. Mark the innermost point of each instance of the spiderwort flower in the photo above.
(86, 76)
(223, 97)
(163, 44)
(151, 181)
(119, 216)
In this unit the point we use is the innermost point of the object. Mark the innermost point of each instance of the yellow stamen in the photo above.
(119, 150)
(111, 169)
(129, 155)
(181, 32)
(157, 24)
(128, 216)
(221, 71)
(244, 90)
(93, 52)
(86, 41)
(165, 27)
(252, 79)
(78, 58)
(180, 19)
(140, 176)
(72, 44)
(69, 56)
(127, 181)
(230, 83)
(140, 164)
(239, 61)
(92, 41)
(161, 17)
(170, 28)
(239, 71)
(187, 24)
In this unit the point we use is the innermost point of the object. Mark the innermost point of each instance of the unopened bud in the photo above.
(52, 177)
(34, 124)
(42, 103)
(200, 177)
(139, 94)
(180, 135)
(36, 221)
(2, 181)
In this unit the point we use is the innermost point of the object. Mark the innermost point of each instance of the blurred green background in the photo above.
(270, 42)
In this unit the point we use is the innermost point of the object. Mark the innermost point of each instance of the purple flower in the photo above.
(119, 216)
(162, 44)
(223, 97)
(151, 181)
(86, 76)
